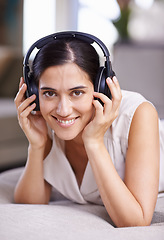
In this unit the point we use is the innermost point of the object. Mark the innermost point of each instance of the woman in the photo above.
(101, 153)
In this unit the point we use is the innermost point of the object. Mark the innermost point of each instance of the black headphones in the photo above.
(104, 71)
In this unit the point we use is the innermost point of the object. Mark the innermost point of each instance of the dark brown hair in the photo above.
(64, 51)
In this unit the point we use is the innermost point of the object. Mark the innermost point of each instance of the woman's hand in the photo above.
(33, 125)
(104, 115)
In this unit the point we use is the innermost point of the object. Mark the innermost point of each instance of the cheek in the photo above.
(86, 108)
(45, 107)
(87, 103)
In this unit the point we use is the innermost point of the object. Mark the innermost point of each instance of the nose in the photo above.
(64, 107)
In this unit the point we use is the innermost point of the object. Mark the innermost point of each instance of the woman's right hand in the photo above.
(33, 125)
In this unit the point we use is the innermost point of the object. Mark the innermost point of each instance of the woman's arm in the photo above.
(31, 187)
(130, 202)
(143, 158)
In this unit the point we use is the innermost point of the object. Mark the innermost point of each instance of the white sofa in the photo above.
(62, 219)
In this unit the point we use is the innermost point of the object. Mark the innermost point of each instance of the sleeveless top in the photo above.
(58, 171)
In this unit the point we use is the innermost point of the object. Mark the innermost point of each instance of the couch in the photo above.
(63, 219)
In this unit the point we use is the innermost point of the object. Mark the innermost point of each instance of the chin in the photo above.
(65, 136)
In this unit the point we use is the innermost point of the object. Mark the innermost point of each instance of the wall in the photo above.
(66, 15)
(140, 68)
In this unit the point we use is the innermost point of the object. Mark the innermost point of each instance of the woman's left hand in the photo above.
(104, 115)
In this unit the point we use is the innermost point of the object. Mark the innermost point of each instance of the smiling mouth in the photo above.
(65, 122)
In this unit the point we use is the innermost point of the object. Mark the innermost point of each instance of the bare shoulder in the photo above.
(145, 120)
(144, 131)
(146, 109)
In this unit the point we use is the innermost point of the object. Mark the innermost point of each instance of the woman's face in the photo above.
(65, 96)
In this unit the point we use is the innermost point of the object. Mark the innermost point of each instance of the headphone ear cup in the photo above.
(31, 87)
(100, 83)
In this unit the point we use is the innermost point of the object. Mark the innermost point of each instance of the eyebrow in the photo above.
(47, 88)
(53, 89)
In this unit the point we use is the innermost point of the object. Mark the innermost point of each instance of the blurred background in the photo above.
(133, 30)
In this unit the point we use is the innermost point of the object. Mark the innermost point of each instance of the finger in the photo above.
(114, 88)
(27, 111)
(20, 96)
(24, 116)
(26, 103)
(113, 85)
(106, 101)
(116, 83)
(21, 82)
(115, 91)
(98, 109)
(102, 97)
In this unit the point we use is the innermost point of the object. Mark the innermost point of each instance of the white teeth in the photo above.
(67, 121)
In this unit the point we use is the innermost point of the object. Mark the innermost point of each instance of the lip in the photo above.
(65, 122)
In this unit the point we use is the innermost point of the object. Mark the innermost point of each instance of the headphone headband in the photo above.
(68, 34)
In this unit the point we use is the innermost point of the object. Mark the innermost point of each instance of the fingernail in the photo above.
(32, 96)
(115, 79)
(109, 80)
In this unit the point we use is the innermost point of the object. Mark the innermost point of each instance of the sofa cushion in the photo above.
(63, 219)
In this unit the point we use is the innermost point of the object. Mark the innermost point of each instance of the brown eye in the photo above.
(49, 94)
(77, 93)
